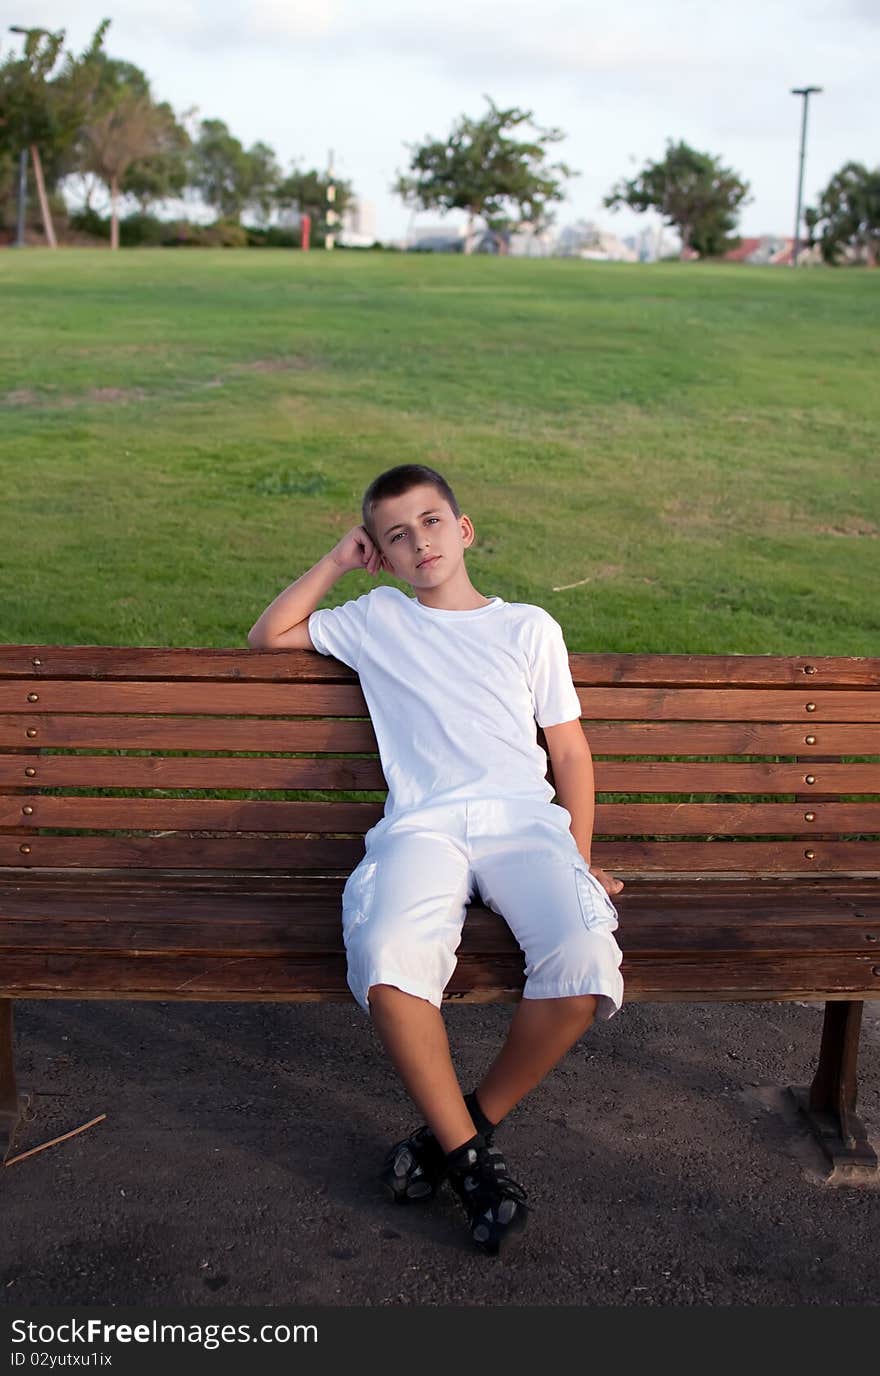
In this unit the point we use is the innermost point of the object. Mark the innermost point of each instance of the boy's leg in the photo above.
(403, 911)
(413, 1034)
(530, 870)
(415, 1038)
(540, 1033)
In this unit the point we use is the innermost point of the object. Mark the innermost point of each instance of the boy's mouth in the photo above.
(432, 559)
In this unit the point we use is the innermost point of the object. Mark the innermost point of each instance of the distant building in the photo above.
(437, 239)
(771, 250)
(584, 239)
(451, 239)
(528, 242)
(358, 224)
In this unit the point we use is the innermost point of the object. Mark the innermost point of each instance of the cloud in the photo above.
(866, 10)
(548, 41)
(234, 24)
(303, 20)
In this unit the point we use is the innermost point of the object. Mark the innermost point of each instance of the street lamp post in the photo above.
(22, 198)
(806, 92)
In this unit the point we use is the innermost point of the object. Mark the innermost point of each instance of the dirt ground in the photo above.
(237, 1164)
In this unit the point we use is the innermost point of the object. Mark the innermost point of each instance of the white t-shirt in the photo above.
(454, 695)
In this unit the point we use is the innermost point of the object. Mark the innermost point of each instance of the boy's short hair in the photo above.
(394, 482)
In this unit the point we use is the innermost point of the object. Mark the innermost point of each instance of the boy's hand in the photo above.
(608, 881)
(356, 551)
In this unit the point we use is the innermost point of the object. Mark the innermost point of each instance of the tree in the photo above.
(110, 83)
(307, 193)
(481, 169)
(694, 194)
(231, 178)
(128, 131)
(28, 113)
(43, 106)
(848, 215)
(40, 113)
(164, 172)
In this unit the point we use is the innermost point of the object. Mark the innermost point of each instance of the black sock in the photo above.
(458, 1158)
(480, 1121)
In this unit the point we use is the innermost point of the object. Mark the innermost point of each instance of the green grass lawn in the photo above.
(676, 458)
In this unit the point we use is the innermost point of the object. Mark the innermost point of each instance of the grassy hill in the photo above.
(668, 458)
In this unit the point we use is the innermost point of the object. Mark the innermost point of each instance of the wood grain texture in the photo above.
(265, 773)
(346, 700)
(325, 854)
(242, 664)
(299, 976)
(330, 734)
(265, 815)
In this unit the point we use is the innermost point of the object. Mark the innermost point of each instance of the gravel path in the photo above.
(237, 1164)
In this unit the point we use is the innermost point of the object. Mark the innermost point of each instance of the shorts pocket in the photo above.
(596, 907)
(357, 896)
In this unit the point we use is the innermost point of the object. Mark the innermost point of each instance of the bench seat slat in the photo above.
(663, 917)
(21, 886)
(736, 975)
(259, 934)
(270, 699)
(81, 892)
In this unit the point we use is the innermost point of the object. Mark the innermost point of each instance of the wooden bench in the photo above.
(164, 834)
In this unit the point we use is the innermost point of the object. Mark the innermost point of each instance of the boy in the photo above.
(454, 682)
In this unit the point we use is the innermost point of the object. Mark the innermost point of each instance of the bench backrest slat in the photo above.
(346, 700)
(321, 735)
(613, 670)
(339, 854)
(331, 774)
(265, 816)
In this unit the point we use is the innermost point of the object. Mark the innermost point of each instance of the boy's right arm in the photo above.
(284, 625)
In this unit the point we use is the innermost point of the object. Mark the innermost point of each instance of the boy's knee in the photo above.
(379, 994)
(391, 996)
(581, 1010)
(380, 997)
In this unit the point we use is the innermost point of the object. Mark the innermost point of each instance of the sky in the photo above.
(366, 78)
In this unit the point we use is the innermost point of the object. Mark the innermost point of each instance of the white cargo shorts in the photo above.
(403, 907)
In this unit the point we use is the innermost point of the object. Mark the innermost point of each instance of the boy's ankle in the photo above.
(460, 1158)
(484, 1125)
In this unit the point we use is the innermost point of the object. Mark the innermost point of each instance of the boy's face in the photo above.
(420, 526)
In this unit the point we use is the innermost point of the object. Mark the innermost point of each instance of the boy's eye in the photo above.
(403, 532)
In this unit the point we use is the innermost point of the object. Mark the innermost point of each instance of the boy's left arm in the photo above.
(572, 762)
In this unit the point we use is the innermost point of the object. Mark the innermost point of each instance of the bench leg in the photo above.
(829, 1105)
(12, 1105)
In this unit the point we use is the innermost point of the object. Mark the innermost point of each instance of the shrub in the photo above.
(88, 221)
(273, 237)
(141, 230)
